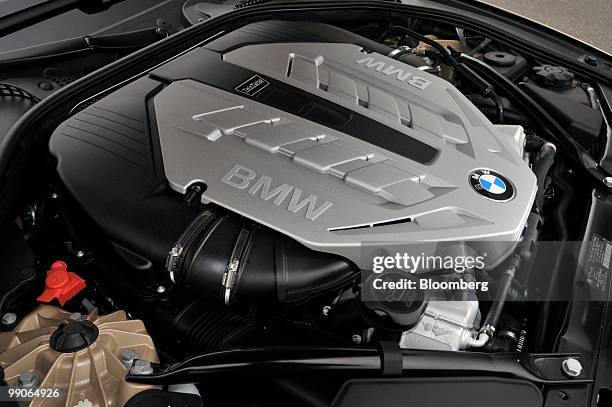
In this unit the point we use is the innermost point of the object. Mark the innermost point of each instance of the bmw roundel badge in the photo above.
(491, 184)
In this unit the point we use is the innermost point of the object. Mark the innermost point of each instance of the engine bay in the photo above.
(241, 195)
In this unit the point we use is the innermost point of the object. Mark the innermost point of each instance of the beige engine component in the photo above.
(93, 376)
(455, 44)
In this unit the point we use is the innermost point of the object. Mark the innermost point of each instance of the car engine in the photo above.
(371, 154)
(264, 189)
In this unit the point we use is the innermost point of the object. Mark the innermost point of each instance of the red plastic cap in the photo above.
(61, 284)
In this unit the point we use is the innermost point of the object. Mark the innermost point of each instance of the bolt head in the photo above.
(9, 318)
(54, 196)
(27, 379)
(571, 367)
(45, 85)
(608, 182)
(325, 310)
(80, 253)
(356, 339)
(141, 367)
(160, 289)
(128, 356)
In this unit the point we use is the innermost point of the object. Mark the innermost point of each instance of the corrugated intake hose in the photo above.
(235, 261)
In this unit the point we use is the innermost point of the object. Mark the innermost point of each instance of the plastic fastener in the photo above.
(61, 284)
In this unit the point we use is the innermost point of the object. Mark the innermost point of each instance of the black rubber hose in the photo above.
(541, 169)
(499, 106)
(239, 262)
(522, 254)
(505, 282)
(526, 246)
(510, 116)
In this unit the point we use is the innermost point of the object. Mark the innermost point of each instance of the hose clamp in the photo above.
(233, 266)
(175, 255)
(488, 330)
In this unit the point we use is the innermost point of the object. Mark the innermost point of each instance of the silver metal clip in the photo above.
(172, 260)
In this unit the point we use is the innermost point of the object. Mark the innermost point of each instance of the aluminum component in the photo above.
(95, 373)
(339, 193)
(479, 340)
(445, 325)
(571, 367)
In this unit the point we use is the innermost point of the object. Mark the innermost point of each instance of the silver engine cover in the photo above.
(334, 192)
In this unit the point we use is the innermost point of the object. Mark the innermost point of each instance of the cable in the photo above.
(499, 106)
